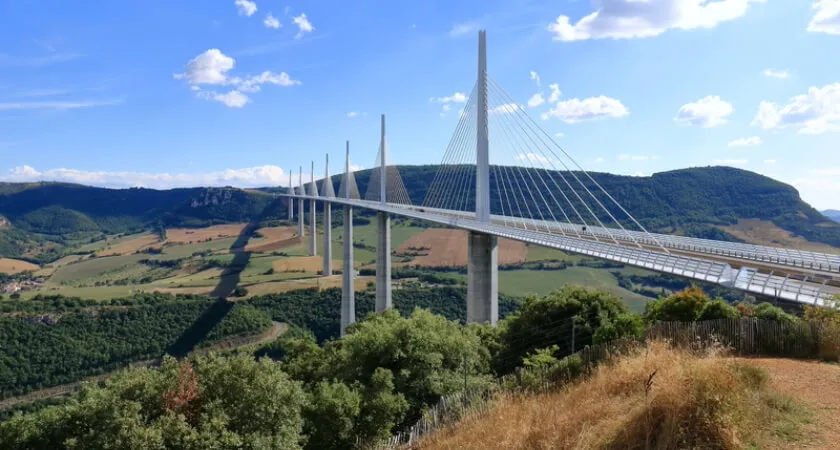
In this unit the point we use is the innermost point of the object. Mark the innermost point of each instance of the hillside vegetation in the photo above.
(47, 220)
(658, 398)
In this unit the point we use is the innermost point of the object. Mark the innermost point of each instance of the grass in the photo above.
(657, 398)
(542, 282)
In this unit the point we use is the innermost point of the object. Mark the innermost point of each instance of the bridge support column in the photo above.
(482, 278)
(383, 262)
(327, 239)
(348, 272)
(313, 230)
(300, 218)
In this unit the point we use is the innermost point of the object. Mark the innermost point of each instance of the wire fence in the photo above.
(742, 336)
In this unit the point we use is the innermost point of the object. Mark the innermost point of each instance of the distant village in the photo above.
(12, 286)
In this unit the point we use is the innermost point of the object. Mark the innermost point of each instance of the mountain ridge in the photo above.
(40, 221)
(832, 214)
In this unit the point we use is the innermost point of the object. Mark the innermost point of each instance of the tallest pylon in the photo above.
(482, 249)
(482, 143)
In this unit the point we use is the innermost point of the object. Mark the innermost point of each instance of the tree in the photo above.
(623, 326)
(718, 309)
(209, 402)
(545, 321)
(682, 306)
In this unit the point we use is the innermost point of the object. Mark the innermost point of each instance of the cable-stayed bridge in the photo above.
(537, 193)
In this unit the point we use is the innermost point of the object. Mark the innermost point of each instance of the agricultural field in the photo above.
(276, 259)
(437, 247)
(8, 265)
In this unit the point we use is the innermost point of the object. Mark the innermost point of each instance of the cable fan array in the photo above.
(395, 191)
(535, 184)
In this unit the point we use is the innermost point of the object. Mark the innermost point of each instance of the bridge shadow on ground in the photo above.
(228, 282)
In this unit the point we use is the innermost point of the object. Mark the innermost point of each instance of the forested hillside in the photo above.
(832, 214)
(38, 221)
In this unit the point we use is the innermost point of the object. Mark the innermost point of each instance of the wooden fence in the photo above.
(742, 336)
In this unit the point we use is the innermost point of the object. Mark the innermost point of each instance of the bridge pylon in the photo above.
(327, 191)
(383, 233)
(482, 249)
(348, 272)
(300, 203)
(313, 229)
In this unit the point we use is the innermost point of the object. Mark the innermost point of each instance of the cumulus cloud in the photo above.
(826, 17)
(303, 24)
(599, 160)
(507, 108)
(814, 112)
(352, 114)
(626, 19)
(457, 97)
(271, 22)
(247, 177)
(555, 92)
(536, 78)
(746, 142)
(212, 68)
(772, 73)
(576, 110)
(536, 100)
(769, 161)
(559, 134)
(707, 112)
(245, 8)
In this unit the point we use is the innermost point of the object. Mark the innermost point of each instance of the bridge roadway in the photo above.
(714, 269)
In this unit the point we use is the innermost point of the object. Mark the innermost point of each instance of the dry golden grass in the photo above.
(334, 281)
(274, 238)
(132, 245)
(187, 235)
(449, 248)
(692, 402)
(306, 263)
(762, 232)
(8, 265)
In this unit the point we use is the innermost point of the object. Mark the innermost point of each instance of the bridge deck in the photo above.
(640, 253)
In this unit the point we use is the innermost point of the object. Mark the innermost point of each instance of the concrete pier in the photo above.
(313, 229)
(383, 262)
(482, 278)
(327, 239)
(348, 272)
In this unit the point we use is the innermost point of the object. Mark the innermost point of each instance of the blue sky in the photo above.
(176, 93)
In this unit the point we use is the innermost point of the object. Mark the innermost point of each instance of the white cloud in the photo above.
(536, 77)
(245, 8)
(772, 73)
(457, 97)
(555, 92)
(507, 108)
(232, 99)
(247, 177)
(769, 161)
(639, 174)
(356, 167)
(559, 134)
(352, 114)
(599, 160)
(707, 112)
(271, 22)
(625, 19)
(57, 105)
(815, 112)
(746, 142)
(826, 17)
(212, 67)
(536, 100)
(209, 67)
(533, 157)
(303, 24)
(729, 162)
(462, 29)
(576, 110)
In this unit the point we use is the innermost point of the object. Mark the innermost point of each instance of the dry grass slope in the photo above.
(659, 398)
(762, 232)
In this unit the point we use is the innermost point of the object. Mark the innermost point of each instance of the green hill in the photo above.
(40, 221)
